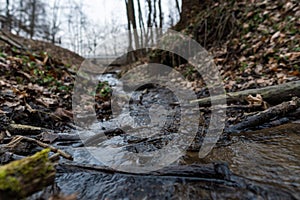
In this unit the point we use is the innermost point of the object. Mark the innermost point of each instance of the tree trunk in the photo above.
(161, 18)
(141, 23)
(177, 6)
(130, 56)
(154, 14)
(21, 20)
(133, 22)
(149, 34)
(7, 26)
(32, 18)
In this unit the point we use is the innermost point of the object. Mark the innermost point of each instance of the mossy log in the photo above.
(272, 94)
(22, 178)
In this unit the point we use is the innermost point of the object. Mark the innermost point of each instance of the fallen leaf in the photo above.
(275, 35)
(257, 100)
(60, 112)
(46, 101)
(28, 76)
(45, 59)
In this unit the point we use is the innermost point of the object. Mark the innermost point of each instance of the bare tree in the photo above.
(34, 13)
(154, 14)
(26, 18)
(141, 23)
(77, 25)
(131, 12)
(21, 19)
(55, 22)
(33, 5)
(155, 17)
(129, 27)
(161, 18)
(149, 23)
(177, 6)
(8, 16)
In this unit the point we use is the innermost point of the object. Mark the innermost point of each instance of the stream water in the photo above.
(264, 164)
(270, 156)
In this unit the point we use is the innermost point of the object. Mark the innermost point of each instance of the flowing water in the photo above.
(270, 156)
(264, 164)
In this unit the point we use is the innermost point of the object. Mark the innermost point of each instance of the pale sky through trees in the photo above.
(104, 11)
(107, 14)
(78, 25)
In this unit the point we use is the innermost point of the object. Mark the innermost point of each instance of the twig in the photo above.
(19, 138)
(25, 129)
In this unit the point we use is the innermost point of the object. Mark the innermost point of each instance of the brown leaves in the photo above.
(47, 102)
(275, 36)
(62, 113)
(35, 88)
(266, 50)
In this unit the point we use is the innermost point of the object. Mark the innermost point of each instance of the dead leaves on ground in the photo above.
(34, 89)
(264, 46)
(266, 50)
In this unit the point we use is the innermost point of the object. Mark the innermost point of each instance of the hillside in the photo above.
(254, 43)
(36, 82)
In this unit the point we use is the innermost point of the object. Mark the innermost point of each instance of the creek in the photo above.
(262, 164)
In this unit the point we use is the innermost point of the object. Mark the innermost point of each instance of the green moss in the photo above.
(10, 174)
(243, 66)
(2, 54)
(7, 181)
(103, 89)
(10, 183)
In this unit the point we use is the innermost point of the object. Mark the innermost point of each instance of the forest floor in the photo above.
(261, 47)
(258, 46)
(253, 44)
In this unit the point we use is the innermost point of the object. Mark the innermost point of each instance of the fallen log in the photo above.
(218, 171)
(272, 94)
(212, 175)
(266, 115)
(21, 178)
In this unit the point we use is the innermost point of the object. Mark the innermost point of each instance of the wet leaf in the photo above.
(48, 137)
